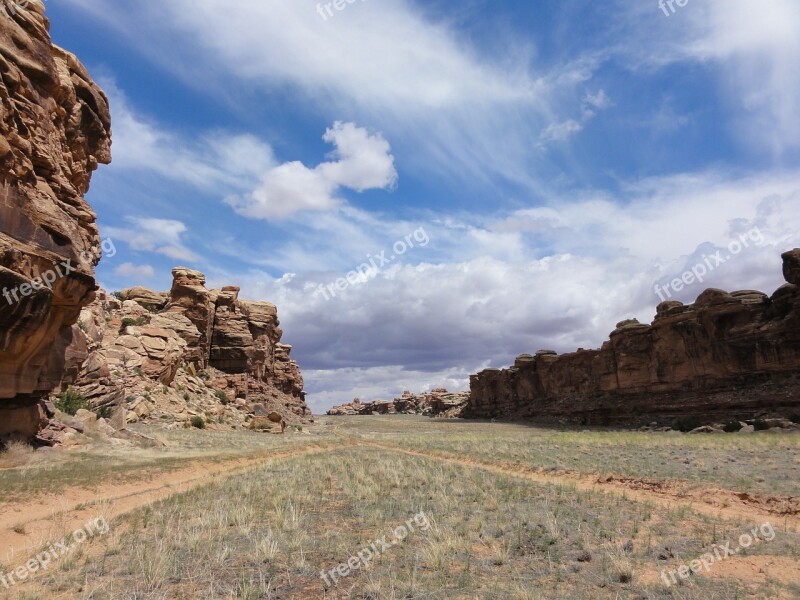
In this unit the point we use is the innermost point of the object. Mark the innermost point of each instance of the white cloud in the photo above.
(162, 236)
(216, 159)
(752, 47)
(449, 104)
(136, 272)
(483, 290)
(362, 161)
(557, 132)
(594, 102)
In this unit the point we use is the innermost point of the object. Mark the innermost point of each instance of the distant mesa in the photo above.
(436, 403)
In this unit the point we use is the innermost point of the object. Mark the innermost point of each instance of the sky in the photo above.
(428, 189)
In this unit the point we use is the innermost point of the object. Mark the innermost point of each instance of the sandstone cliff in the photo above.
(54, 130)
(191, 352)
(437, 403)
(728, 355)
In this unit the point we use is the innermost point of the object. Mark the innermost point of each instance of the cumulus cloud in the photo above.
(135, 272)
(362, 161)
(486, 289)
(162, 236)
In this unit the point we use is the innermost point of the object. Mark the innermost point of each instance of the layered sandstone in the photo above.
(191, 352)
(54, 131)
(436, 403)
(728, 355)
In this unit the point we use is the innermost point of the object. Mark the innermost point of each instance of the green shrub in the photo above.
(732, 427)
(198, 422)
(686, 424)
(118, 295)
(222, 397)
(186, 396)
(795, 418)
(105, 412)
(71, 402)
(129, 322)
(760, 425)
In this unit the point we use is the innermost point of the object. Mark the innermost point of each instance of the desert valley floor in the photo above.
(403, 507)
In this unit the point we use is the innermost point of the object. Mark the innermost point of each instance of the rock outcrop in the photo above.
(54, 131)
(437, 403)
(191, 352)
(727, 356)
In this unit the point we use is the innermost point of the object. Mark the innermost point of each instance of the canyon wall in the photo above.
(728, 355)
(54, 131)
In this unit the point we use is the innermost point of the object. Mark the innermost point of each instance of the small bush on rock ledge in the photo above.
(71, 402)
(198, 422)
(129, 322)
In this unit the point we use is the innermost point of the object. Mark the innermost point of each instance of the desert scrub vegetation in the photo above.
(71, 402)
(25, 474)
(763, 463)
(131, 322)
(269, 532)
(15, 454)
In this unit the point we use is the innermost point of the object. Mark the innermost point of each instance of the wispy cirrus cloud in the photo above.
(161, 236)
(751, 48)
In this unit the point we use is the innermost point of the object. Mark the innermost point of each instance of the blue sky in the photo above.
(540, 166)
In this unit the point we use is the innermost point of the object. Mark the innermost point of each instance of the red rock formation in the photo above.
(726, 356)
(437, 403)
(54, 130)
(191, 352)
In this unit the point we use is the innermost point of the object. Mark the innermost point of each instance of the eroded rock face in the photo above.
(436, 403)
(191, 352)
(54, 130)
(728, 355)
